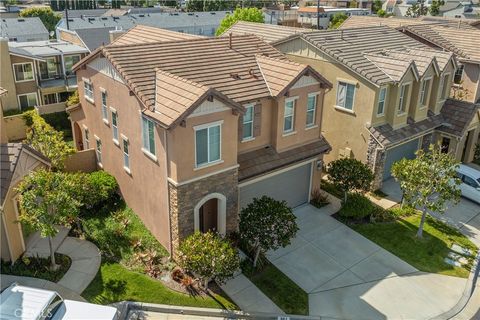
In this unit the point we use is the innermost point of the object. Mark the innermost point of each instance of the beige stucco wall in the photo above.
(145, 189)
(84, 161)
(13, 230)
(436, 102)
(15, 127)
(417, 111)
(265, 137)
(70, 37)
(471, 81)
(9, 101)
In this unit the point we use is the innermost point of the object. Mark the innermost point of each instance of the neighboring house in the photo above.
(38, 74)
(23, 29)
(465, 44)
(399, 23)
(266, 32)
(192, 140)
(16, 161)
(307, 16)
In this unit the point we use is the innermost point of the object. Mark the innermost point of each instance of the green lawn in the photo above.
(425, 254)
(133, 286)
(285, 293)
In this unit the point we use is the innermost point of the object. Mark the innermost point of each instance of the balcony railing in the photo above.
(58, 81)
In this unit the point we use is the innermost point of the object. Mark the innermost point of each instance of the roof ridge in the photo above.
(287, 61)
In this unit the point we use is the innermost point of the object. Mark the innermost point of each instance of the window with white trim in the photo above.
(86, 138)
(345, 95)
(207, 144)
(27, 100)
(247, 131)
(126, 154)
(115, 125)
(402, 101)
(88, 88)
(425, 88)
(99, 150)
(289, 116)
(382, 96)
(444, 87)
(148, 135)
(457, 79)
(70, 61)
(311, 109)
(23, 71)
(48, 68)
(104, 106)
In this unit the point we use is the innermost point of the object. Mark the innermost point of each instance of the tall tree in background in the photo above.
(435, 7)
(245, 14)
(48, 17)
(337, 19)
(416, 10)
(377, 5)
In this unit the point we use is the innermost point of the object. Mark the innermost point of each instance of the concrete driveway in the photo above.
(349, 277)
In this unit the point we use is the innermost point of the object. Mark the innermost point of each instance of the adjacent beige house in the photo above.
(193, 129)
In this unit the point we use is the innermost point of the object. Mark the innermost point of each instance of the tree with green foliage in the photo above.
(47, 15)
(46, 140)
(267, 224)
(73, 99)
(337, 19)
(381, 13)
(245, 14)
(377, 5)
(349, 175)
(434, 9)
(416, 10)
(47, 199)
(353, 4)
(209, 257)
(428, 182)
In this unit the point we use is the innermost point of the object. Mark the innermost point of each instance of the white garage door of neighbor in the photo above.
(292, 186)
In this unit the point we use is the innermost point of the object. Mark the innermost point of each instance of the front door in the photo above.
(208, 216)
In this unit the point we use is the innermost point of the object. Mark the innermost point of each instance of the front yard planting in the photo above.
(38, 267)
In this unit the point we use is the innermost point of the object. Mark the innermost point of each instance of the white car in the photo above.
(470, 185)
(26, 303)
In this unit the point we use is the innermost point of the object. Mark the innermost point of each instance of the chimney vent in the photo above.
(230, 40)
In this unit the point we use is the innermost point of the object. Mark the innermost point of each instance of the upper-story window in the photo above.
(99, 150)
(70, 61)
(86, 138)
(48, 69)
(444, 86)
(148, 136)
(402, 101)
(345, 94)
(88, 88)
(115, 125)
(424, 90)
(457, 79)
(382, 96)
(207, 144)
(247, 130)
(311, 109)
(126, 154)
(289, 115)
(28, 100)
(23, 71)
(104, 107)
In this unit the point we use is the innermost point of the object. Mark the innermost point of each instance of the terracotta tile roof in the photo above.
(458, 115)
(262, 161)
(395, 22)
(146, 34)
(394, 68)
(267, 32)
(464, 43)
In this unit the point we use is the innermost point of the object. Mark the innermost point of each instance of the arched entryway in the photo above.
(210, 214)
(77, 135)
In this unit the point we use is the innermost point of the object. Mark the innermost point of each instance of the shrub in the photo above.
(357, 207)
(73, 99)
(60, 122)
(332, 189)
(350, 175)
(399, 212)
(318, 199)
(101, 191)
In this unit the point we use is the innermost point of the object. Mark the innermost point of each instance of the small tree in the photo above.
(337, 19)
(428, 182)
(435, 7)
(73, 99)
(353, 4)
(245, 14)
(349, 175)
(47, 15)
(377, 5)
(267, 224)
(209, 257)
(416, 10)
(46, 200)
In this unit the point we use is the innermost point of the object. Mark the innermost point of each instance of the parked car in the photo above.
(470, 185)
(22, 303)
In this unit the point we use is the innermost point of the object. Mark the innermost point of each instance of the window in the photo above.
(23, 72)
(70, 61)
(50, 98)
(48, 69)
(345, 94)
(104, 107)
(115, 126)
(247, 132)
(288, 116)
(63, 96)
(207, 144)
(402, 102)
(444, 87)
(99, 151)
(126, 155)
(457, 79)
(88, 88)
(311, 108)
(87, 138)
(381, 101)
(28, 100)
(424, 92)
(148, 136)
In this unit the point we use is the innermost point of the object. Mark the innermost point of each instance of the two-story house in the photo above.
(38, 74)
(193, 140)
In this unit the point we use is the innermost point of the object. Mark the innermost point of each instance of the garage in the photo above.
(292, 186)
(406, 150)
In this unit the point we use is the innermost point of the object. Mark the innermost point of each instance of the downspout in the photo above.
(168, 192)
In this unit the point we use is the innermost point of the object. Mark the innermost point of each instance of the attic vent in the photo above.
(191, 14)
(104, 18)
(115, 18)
(213, 13)
(91, 19)
(141, 15)
(235, 76)
(70, 20)
(20, 20)
(175, 14)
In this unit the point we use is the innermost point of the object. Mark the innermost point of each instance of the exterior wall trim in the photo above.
(178, 184)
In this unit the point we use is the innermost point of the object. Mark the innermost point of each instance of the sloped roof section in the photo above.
(395, 69)
(396, 22)
(458, 115)
(268, 32)
(146, 34)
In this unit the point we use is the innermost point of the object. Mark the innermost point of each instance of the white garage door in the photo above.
(292, 186)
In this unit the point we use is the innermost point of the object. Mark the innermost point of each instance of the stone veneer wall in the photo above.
(427, 140)
(376, 161)
(184, 198)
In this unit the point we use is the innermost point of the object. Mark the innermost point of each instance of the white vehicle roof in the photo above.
(473, 173)
(81, 310)
(24, 303)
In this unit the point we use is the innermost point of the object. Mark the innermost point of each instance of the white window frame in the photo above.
(380, 114)
(314, 120)
(15, 72)
(337, 105)
(208, 126)
(27, 94)
(98, 151)
(126, 155)
(402, 98)
(147, 148)
(250, 137)
(444, 92)
(87, 91)
(461, 68)
(115, 131)
(86, 138)
(65, 65)
(292, 129)
(424, 92)
(103, 93)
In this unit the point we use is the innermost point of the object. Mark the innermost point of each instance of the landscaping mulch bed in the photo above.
(38, 267)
